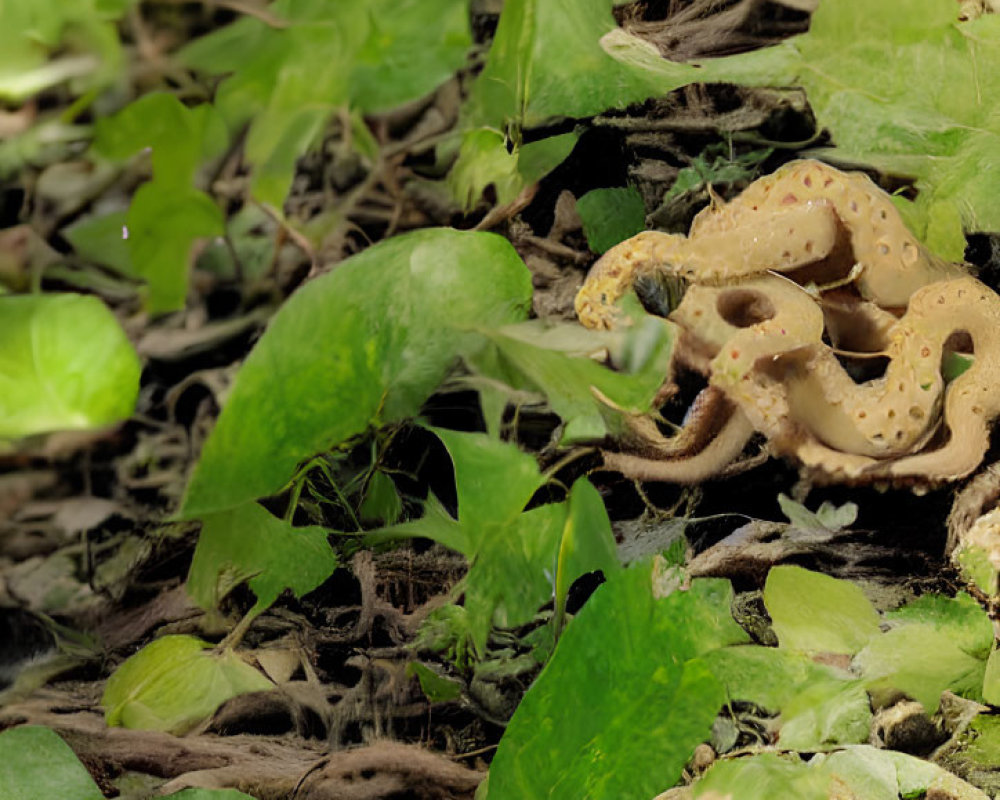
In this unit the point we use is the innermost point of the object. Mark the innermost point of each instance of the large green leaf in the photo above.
(762, 777)
(625, 699)
(812, 612)
(819, 705)
(860, 771)
(936, 643)
(362, 345)
(174, 683)
(35, 763)
(65, 363)
(247, 542)
(548, 60)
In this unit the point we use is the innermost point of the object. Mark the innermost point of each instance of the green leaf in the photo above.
(819, 705)
(174, 683)
(412, 47)
(921, 660)
(948, 138)
(611, 216)
(307, 386)
(762, 777)
(381, 502)
(549, 58)
(517, 560)
(493, 480)
(625, 699)
(163, 224)
(587, 542)
(522, 359)
(961, 617)
(812, 612)
(937, 643)
(873, 774)
(827, 517)
(248, 542)
(436, 688)
(36, 763)
(484, 160)
(991, 679)
(81, 34)
(65, 364)
(167, 214)
(288, 81)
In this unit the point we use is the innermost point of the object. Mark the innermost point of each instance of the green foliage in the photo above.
(360, 346)
(763, 777)
(524, 358)
(483, 160)
(611, 216)
(167, 214)
(626, 697)
(812, 612)
(936, 643)
(721, 169)
(174, 683)
(288, 81)
(436, 688)
(861, 770)
(547, 61)
(65, 364)
(518, 558)
(35, 763)
(81, 32)
(819, 705)
(947, 137)
(248, 543)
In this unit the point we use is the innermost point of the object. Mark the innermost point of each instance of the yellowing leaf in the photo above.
(174, 683)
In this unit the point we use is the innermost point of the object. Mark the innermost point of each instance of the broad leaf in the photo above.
(307, 386)
(174, 683)
(36, 763)
(521, 359)
(611, 216)
(763, 777)
(819, 706)
(922, 661)
(247, 542)
(812, 612)
(65, 364)
(625, 699)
